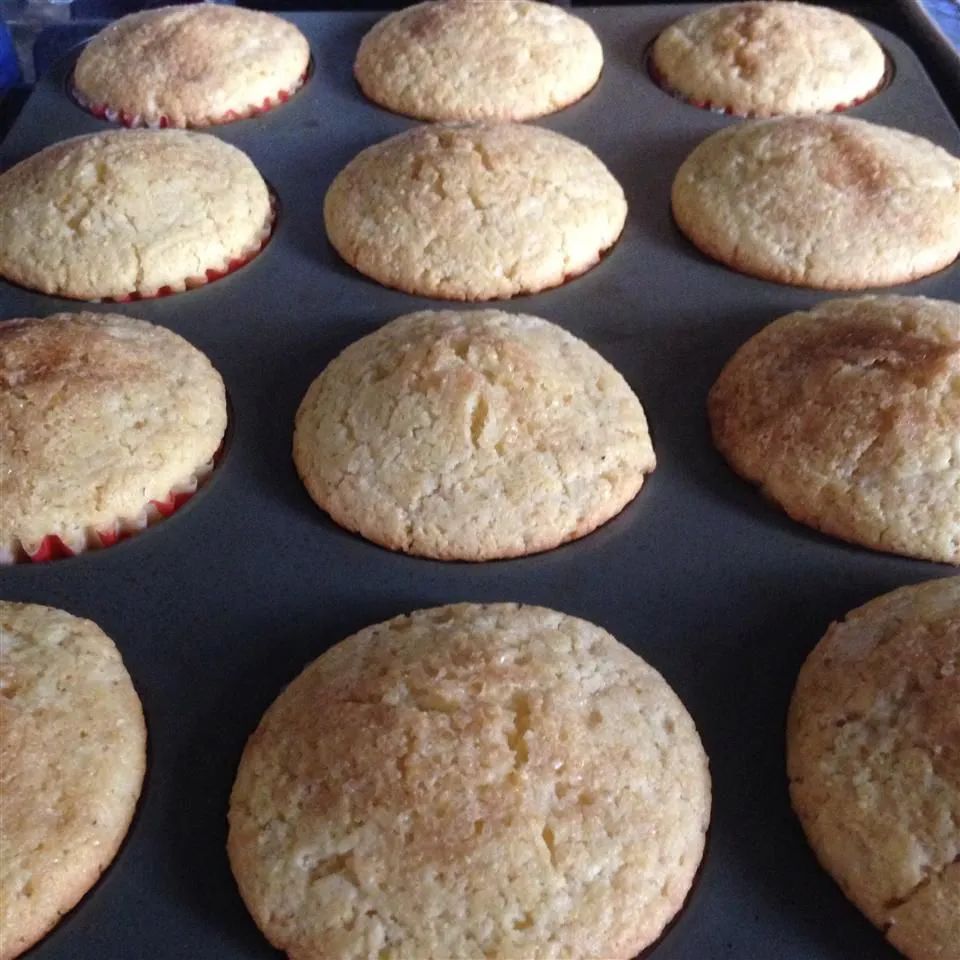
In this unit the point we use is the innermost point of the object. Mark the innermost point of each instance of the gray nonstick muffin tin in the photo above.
(218, 607)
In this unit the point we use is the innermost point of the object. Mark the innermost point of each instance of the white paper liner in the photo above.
(162, 122)
(228, 265)
(89, 538)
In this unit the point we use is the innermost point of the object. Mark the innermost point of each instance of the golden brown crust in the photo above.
(764, 59)
(471, 436)
(72, 759)
(471, 781)
(100, 414)
(873, 750)
(133, 211)
(474, 212)
(476, 60)
(191, 65)
(848, 416)
(826, 202)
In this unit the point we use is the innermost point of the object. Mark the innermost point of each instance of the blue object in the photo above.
(947, 15)
(9, 68)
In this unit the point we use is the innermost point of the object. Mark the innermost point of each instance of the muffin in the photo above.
(471, 436)
(73, 746)
(474, 212)
(826, 202)
(130, 214)
(497, 781)
(848, 415)
(873, 750)
(108, 423)
(475, 60)
(765, 59)
(190, 66)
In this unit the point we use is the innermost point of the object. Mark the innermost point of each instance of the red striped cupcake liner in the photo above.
(211, 273)
(57, 547)
(104, 111)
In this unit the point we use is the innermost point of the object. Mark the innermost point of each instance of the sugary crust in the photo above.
(471, 781)
(476, 60)
(826, 202)
(131, 211)
(474, 212)
(873, 750)
(191, 65)
(72, 760)
(764, 59)
(100, 415)
(848, 416)
(471, 436)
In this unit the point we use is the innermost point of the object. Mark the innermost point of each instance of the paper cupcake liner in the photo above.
(665, 86)
(56, 547)
(228, 266)
(105, 112)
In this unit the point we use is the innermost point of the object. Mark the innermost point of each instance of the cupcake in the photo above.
(873, 755)
(474, 212)
(110, 423)
(73, 743)
(131, 214)
(827, 202)
(190, 66)
(471, 436)
(848, 416)
(472, 780)
(475, 60)
(763, 59)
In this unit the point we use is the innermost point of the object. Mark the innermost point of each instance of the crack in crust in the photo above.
(72, 760)
(474, 212)
(471, 436)
(848, 416)
(826, 202)
(874, 762)
(130, 212)
(191, 65)
(768, 59)
(469, 60)
(100, 415)
(459, 743)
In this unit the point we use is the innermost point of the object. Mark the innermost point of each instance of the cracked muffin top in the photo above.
(476, 60)
(471, 781)
(764, 59)
(100, 414)
(474, 212)
(72, 759)
(848, 416)
(192, 64)
(471, 436)
(873, 749)
(828, 202)
(130, 212)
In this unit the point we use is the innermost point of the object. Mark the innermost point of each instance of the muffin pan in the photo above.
(219, 606)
